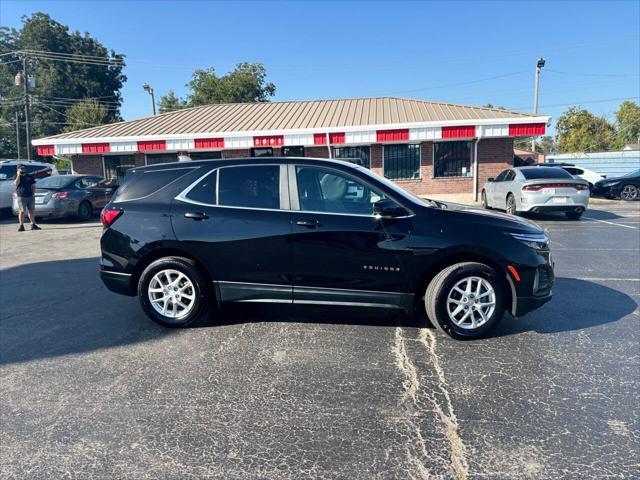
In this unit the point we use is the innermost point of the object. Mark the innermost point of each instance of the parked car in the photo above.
(190, 235)
(8, 173)
(582, 173)
(70, 195)
(536, 189)
(626, 187)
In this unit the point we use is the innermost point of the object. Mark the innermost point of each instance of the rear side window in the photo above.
(144, 183)
(250, 186)
(544, 172)
(205, 190)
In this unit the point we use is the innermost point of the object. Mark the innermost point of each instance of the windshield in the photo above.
(633, 174)
(54, 182)
(544, 172)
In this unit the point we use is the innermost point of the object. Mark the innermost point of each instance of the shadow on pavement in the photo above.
(56, 308)
(576, 304)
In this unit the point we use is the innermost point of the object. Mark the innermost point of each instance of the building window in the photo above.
(262, 152)
(205, 155)
(293, 151)
(452, 159)
(401, 161)
(359, 155)
(115, 166)
(153, 159)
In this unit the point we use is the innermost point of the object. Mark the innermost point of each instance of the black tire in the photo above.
(629, 193)
(435, 299)
(85, 210)
(573, 215)
(511, 205)
(201, 291)
(485, 204)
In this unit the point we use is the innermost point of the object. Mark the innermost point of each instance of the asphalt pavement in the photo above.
(90, 388)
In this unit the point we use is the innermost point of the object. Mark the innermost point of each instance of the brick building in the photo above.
(426, 147)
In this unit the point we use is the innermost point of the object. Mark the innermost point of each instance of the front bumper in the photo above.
(526, 304)
(534, 289)
(606, 191)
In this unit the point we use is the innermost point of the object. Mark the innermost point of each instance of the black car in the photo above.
(626, 187)
(186, 236)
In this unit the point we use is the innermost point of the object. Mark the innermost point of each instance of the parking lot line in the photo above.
(610, 223)
(611, 279)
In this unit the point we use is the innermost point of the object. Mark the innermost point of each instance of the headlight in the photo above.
(610, 184)
(539, 241)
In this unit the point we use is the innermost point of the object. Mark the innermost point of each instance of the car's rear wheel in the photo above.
(85, 210)
(511, 205)
(629, 192)
(485, 204)
(465, 300)
(173, 292)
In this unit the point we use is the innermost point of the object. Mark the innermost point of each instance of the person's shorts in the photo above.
(26, 203)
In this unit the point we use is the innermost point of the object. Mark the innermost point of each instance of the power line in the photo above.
(583, 102)
(595, 74)
(460, 83)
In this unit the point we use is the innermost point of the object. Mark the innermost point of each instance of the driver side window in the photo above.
(500, 178)
(329, 191)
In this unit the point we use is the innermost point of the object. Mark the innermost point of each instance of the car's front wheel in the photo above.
(629, 193)
(173, 292)
(465, 300)
(485, 203)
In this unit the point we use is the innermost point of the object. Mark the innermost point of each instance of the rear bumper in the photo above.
(539, 203)
(51, 209)
(117, 282)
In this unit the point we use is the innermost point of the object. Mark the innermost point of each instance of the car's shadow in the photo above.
(56, 308)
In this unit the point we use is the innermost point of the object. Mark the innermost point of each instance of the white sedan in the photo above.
(536, 190)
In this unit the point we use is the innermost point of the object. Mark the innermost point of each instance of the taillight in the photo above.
(539, 186)
(109, 215)
(60, 195)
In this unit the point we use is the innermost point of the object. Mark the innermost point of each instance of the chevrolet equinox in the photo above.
(188, 236)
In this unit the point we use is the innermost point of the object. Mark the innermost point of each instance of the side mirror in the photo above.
(388, 209)
(491, 179)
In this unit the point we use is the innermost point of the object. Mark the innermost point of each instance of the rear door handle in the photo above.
(196, 216)
(308, 223)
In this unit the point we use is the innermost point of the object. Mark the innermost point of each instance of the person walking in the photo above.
(25, 193)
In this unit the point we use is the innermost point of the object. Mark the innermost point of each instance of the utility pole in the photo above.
(18, 135)
(23, 78)
(539, 66)
(149, 89)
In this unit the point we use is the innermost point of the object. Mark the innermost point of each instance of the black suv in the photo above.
(184, 236)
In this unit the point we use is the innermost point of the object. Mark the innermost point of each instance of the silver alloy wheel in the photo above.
(471, 302)
(171, 293)
(629, 192)
(511, 205)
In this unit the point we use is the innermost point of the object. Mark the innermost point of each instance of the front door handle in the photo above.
(196, 216)
(308, 223)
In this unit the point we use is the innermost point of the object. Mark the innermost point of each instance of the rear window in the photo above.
(54, 182)
(544, 172)
(250, 187)
(140, 184)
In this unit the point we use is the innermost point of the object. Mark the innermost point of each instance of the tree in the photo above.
(59, 83)
(580, 131)
(86, 114)
(627, 124)
(245, 83)
(170, 102)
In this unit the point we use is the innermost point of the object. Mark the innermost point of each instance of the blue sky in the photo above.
(467, 52)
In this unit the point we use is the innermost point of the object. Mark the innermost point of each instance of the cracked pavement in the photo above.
(90, 388)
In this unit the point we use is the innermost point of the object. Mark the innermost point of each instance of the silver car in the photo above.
(8, 173)
(537, 190)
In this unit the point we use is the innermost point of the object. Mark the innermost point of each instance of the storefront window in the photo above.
(205, 155)
(293, 151)
(115, 166)
(452, 159)
(359, 155)
(402, 161)
(262, 152)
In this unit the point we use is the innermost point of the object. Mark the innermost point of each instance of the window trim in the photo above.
(433, 163)
(419, 177)
(285, 203)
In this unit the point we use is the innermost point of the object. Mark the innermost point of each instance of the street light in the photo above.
(149, 89)
(539, 65)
